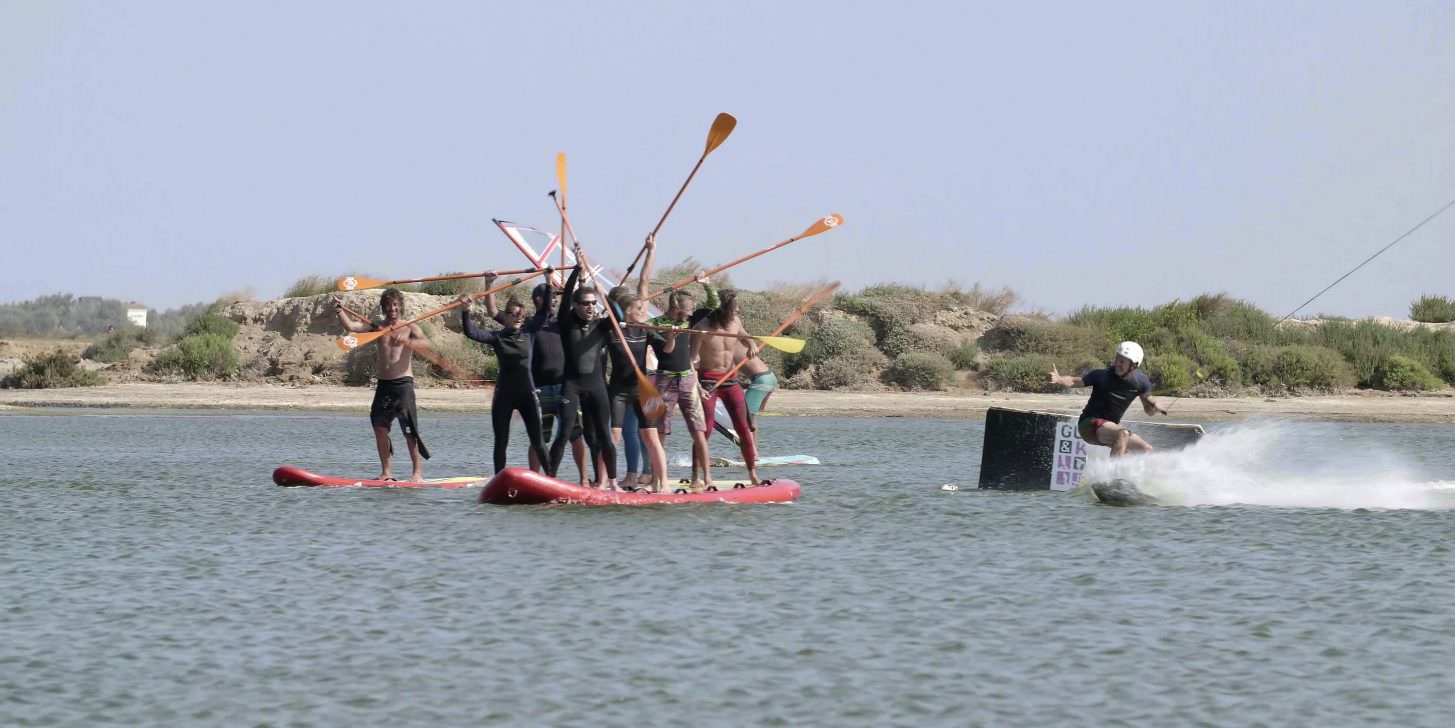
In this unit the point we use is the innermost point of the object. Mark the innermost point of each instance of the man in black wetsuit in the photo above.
(584, 337)
(515, 391)
(1112, 391)
(548, 369)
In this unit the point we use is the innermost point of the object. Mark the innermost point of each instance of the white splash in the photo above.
(1277, 464)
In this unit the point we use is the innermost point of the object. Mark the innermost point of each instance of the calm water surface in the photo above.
(151, 574)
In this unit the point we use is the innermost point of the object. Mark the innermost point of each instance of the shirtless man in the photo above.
(394, 393)
(715, 356)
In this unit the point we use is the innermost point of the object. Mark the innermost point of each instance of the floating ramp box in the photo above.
(1026, 450)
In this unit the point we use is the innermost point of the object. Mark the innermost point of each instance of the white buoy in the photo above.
(949, 486)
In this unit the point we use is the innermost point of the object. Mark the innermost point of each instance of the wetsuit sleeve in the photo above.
(543, 313)
(484, 336)
(566, 296)
(712, 301)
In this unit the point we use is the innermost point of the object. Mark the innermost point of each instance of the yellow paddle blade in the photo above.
(354, 341)
(827, 223)
(722, 126)
(561, 176)
(782, 343)
(358, 283)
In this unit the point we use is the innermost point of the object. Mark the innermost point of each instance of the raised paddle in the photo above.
(359, 283)
(722, 126)
(651, 399)
(781, 343)
(354, 341)
(823, 225)
(813, 299)
(561, 181)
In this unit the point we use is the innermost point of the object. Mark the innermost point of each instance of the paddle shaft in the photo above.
(460, 276)
(722, 126)
(725, 266)
(724, 334)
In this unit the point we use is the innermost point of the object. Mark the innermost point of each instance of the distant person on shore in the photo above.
(394, 369)
(1112, 391)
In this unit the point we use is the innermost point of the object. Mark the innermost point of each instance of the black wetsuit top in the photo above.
(581, 339)
(1111, 395)
(680, 359)
(548, 365)
(512, 348)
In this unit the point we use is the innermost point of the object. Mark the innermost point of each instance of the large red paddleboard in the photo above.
(288, 475)
(519, 486)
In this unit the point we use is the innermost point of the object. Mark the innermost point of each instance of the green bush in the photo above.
(996, 301)
(1069, 346)
(1210, 355)
(920, 370)
(1298, 367)
(966, 355)
(1402, 374)
(925, 337)
(210, 323)
(1172, 372)
(835, 336)
(853, 369)
(1433, 309)
(456, 287)
(1117, 324)
(1026, 373)
(1226, 318)
(115, 346)
(311, 285)
(890, 308)
(47, 371)
(199, 356)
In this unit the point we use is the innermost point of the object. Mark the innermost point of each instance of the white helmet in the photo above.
(1131, 350)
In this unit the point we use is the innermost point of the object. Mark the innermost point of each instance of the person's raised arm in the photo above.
(568, 294)
(1064, 379)
(473, 332)
(711, 300)
(543, 311)
(490, 299)
(644, 281)
(350, 324)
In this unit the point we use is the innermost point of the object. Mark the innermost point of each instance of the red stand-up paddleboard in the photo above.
(288, 475)
(519, 486)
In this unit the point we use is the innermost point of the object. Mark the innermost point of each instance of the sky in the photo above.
(1077, 153)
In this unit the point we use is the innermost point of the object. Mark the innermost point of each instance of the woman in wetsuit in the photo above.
(583, 336)
(628, 421)
(515, 391)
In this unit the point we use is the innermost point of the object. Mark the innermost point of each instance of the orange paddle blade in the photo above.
(561, 174)
(652, 405)
(722, 126)
(828, 223)
(354, 341)
(358, 283)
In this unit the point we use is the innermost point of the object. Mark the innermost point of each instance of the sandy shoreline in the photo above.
(1358, 406)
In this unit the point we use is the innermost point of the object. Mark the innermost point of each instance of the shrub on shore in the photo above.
(117, 345)
(1024, 373)
(199, 356)
(853, 369)
(311, 285)
(921, 337)
(1433, 310)
(920, 370)
(966, 355)
(1298, 367)
(835, 336)
(456, 287)
(1400, 373)
(1172, 372)
(48, 371)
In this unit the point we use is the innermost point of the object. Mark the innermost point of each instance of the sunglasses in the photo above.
(586, 303)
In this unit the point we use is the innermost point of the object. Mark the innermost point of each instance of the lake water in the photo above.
(151, 574)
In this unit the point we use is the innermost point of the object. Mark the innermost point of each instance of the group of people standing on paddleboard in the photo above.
(568, 369)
